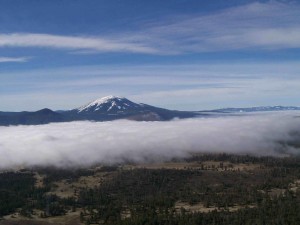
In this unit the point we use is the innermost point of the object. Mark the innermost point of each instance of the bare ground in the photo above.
(71, 218)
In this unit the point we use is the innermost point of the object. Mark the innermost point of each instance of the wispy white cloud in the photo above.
(13, 59)
(258, 26)
(184, 87)
(270, 25)
(71, 42)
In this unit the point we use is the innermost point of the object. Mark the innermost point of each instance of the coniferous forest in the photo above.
(203, 189)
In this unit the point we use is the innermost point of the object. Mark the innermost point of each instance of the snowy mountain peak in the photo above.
(105, 100)
(113, 104)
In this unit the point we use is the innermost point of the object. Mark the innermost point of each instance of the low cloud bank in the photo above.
(86, 143)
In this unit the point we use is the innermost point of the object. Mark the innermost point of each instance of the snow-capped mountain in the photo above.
(109, 104)
(114, 107)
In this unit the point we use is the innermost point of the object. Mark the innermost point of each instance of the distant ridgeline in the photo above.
(112, 108)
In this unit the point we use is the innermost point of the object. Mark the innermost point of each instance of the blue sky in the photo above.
(179, 54)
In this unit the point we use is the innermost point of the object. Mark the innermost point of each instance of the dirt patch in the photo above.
(39, 183)
(276, 192)
(295, 186)
(71, 218)
(125, 214)
(66, 188)
(200, 207)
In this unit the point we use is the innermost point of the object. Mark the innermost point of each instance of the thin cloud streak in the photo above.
(87, 143)
(260, 26)
(71, 42)
(14, 59)
(182, 87)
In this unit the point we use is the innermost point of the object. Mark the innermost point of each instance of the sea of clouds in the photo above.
(87, 143)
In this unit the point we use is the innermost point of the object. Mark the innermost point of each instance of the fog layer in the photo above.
(86, 143)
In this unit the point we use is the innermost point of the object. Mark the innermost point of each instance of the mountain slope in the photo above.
(114, 107)
(43, 116)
